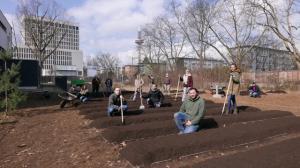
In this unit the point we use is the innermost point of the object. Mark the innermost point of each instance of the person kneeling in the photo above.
(114, 103)
(155, 97)
(190, 113)
(254, 90)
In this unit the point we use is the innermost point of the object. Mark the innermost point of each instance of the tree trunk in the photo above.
(39, 78)
(6, 94)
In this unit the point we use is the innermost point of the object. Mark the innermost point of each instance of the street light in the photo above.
(139, 41)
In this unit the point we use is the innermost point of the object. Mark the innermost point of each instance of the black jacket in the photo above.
(155, 96)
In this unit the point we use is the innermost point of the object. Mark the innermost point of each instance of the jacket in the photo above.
(194, 108)
(115, 100)
(155, 96)
(234, 87)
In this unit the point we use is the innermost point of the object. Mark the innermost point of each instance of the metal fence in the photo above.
(271, 76)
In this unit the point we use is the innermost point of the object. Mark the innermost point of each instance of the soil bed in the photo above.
(145, 152)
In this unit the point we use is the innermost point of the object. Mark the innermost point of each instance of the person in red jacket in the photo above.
(187, 80)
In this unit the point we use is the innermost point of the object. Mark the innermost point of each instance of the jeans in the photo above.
(253, 94)
(153, 104)
(180, 119)
(231, 102)
(83, 99)
(114, 108)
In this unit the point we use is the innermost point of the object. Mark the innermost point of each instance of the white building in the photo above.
(5, 33)
(67, 60)
(266, 59)
(194, 63)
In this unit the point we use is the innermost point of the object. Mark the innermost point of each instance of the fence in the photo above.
(264, 77)
(273, 79)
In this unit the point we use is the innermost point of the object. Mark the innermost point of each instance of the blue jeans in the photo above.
(231, 102)
(180, 119)
(253, 94)
(83, 99)
(114, 108)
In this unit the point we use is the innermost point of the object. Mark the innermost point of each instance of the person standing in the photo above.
(95, 84)
(190, 114)
(108, 84)
(234, 89)
(187, 80)
(138, 86)
(167, 84)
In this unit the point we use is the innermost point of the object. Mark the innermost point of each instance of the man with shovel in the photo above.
(191, 112)
(114, 103)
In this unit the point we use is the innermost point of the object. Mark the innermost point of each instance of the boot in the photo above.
(236, 111)
(227, 112)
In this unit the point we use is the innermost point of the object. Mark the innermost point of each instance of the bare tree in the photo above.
(282, 21)
(150, 48)
(236, 27)
(166, 40)
(106, 62)
(44, 28)
(193, 20)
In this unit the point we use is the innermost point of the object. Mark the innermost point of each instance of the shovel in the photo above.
(122, 114)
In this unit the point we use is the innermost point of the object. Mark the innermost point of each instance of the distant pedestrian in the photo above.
(187, 80)
(254, 90)
(95, 84)
(108, 84)
(167, 84)
(138, 86)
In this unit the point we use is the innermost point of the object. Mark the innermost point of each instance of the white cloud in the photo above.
(111, 26)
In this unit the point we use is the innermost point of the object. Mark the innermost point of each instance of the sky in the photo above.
(105, 25)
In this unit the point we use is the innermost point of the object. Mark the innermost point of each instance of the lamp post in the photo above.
(139, 42)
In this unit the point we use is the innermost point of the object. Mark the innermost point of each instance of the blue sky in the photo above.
(105, 25)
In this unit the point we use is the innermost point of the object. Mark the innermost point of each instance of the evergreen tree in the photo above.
(10, 95)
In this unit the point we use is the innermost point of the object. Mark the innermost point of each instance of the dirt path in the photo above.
(285, 102)
(61, 139)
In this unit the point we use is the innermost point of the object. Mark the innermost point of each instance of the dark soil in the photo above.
(284, 154)
(167, 126)
(145, 152)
